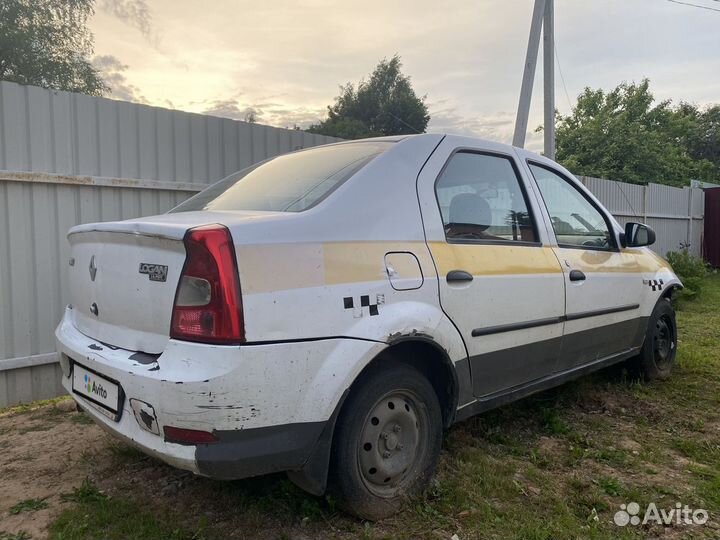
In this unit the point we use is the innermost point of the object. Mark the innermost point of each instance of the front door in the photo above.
(498, 284)
(603, 283)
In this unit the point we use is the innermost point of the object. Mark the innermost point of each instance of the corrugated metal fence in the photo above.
(676, 214)
(68, 158)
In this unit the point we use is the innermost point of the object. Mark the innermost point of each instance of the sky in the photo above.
(285, 60)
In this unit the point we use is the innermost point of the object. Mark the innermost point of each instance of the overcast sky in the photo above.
(286, 59)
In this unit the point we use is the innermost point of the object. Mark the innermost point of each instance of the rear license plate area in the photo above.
(103, 393)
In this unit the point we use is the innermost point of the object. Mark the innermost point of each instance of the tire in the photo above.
(657, 356)
(387, 441)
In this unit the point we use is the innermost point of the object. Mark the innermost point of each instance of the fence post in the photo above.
(690, 218)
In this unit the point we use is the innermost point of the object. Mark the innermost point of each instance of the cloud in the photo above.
(266, 112)
(112, 71)
(135, 13)
(498, 127)
(230, 108)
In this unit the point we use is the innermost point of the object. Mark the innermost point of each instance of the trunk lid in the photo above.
(124, 275)
(122, 287)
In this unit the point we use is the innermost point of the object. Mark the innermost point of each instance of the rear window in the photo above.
(289, 183)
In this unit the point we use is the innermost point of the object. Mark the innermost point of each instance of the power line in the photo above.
(695, 5)
(562, 78)
(404, 122)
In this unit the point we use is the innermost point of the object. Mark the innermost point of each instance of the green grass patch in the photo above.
(96, 515)
(28, 505)
(32, 406)
(22, 535)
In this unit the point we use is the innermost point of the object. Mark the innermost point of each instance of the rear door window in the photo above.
(481, 200)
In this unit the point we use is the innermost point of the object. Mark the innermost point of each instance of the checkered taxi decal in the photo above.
(349, 303)
(655, 284)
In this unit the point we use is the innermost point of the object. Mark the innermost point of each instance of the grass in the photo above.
(33, 406)
(28, 505)
(22, 535)
(96, 515)
(557, 465)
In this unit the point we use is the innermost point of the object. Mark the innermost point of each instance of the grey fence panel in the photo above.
(620, 199)
(36, 378)
(676, 214)
(67, 159)
(65, 133)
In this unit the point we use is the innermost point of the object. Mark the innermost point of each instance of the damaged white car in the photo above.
(330, 312)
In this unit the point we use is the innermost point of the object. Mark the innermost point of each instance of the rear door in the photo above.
(498, 282)
(603, 283)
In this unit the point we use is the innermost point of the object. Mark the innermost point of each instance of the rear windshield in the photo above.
(289, 183)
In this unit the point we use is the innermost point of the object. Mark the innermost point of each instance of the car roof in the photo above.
(458, 139)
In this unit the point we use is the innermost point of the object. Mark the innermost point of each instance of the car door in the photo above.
(602, 282)
(498, 282)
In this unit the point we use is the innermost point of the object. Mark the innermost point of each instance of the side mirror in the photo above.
(638, 234)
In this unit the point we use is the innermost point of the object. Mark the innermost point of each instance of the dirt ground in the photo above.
(49, 451)
(43, 453)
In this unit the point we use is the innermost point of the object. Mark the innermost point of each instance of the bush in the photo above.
(690, 269)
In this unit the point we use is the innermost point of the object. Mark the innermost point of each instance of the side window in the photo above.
(480, 198)
(574, 218)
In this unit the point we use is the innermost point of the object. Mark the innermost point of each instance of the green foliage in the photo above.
(28, 505)
(625, 135)
(95, 515)
(22, 535)
(690, 269)
(87, 493)
(386, 104)
(47, 43)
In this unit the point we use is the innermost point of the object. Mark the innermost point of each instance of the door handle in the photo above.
(455, 276)
(576, 275)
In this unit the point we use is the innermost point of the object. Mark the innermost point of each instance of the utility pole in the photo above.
(549, 78)
(543, 13)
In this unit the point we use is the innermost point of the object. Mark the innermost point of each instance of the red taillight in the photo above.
(208, 304)
(188, 436)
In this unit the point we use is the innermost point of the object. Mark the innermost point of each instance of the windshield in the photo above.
(289, 183)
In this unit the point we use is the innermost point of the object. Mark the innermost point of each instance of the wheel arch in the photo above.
(427, 355)
(415, 349)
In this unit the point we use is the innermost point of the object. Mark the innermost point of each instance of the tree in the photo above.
(703, 136)
(625, 135)
(386, 104)
(47, 43)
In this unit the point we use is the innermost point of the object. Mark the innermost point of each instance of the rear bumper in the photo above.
(266, 404)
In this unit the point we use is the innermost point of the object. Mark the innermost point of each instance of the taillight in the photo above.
(208, 304)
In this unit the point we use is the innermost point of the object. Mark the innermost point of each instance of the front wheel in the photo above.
(657, 356)
(387, 441)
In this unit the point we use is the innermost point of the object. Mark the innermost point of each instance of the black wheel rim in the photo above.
(392, 443)
(664, 342)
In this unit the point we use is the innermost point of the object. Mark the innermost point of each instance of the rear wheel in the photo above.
(387, 441)
(657, 356)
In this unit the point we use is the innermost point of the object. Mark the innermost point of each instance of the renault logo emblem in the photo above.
(92, 268)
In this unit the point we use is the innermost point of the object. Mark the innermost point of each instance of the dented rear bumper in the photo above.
(267, 405)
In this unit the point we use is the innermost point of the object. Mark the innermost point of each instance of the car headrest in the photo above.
(470, 208)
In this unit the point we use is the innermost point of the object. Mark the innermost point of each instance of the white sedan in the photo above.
(330, 311)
